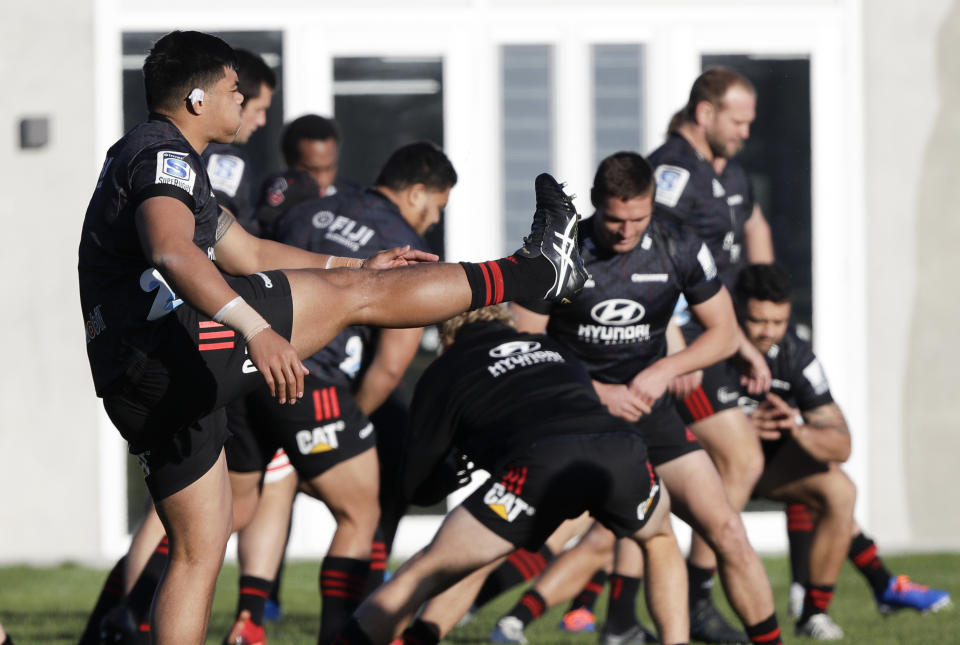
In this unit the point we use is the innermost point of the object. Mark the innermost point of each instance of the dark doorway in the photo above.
(778, 158)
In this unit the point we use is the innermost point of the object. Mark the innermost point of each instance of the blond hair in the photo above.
(496, 313)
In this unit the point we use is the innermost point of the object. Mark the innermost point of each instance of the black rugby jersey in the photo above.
(232, 180)
(347, 224)
(616, 325)
(125, 300)
(714, 206)
(798, 376)
(496, 391)
(279, 193)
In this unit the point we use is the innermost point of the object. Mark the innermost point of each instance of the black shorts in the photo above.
(665, 433)
(322, 430)
(247, 451)
(720, 390)
(168, 405)
(560, 477)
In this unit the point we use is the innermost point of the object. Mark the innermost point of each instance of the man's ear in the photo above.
(195, 101)
(416, 195)
(704, 112)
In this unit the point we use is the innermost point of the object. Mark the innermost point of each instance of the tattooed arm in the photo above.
(822, 432)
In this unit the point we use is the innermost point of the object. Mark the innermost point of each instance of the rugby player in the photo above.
(640, 263)
(805, 438)
(228, 165)
(521, 407)
(168, 288)
(311, 148)
(331, 443)
(700, 184)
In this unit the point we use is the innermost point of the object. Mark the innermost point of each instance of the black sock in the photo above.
(7, 640)
(520, 566)
(352, 635)
(799, 535)
(816, 601)
(700, 581)
(253, 597)
(589, 594)
(141, 596)
(110, 596)
(863, 554)
(509, 278)
(378, 562)
(342, 581)
(766, 632)
(622, 612)
(420, 633)
(530, 607)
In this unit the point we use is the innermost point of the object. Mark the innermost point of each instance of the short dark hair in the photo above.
(762, 282)
(711, 86)
(623, 175)
(252, 74)
(417, 163)
(181, 61)
(309, 126)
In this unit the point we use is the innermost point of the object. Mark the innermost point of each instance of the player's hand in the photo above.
(398, 257)
(279, 364)
(756, 377)
(684, 385)
(774, 417)
(651, 383)
(620, 401)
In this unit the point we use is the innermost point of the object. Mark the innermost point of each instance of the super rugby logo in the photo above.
(514, 347)
(617, 318)
(343, 230)
(320, 439)
(172, 168)
(519, 353)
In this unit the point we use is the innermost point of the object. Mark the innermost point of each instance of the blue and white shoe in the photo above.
(509, 629)
(902, 593)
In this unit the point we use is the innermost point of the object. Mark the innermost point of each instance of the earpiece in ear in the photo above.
(196, 95)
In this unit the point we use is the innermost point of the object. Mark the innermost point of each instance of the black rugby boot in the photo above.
(708, 625)
(554, 237)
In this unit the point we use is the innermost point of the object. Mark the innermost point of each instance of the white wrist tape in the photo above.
(242, 317)
(329, 261)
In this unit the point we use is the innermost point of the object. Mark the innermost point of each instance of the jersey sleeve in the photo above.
(226, 177)
(698, 271)
(168, 172)
(673, 186)
(810, 386)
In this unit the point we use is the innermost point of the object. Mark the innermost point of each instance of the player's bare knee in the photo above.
(840, 494)
(599, 541)
(729, 539)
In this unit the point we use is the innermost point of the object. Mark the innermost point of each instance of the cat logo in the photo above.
(320, 439)
(506, 504)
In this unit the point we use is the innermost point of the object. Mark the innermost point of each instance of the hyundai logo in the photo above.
(617, 311)
(514, 347)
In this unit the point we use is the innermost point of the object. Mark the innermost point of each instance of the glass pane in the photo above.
(617, 99)
(527, 132)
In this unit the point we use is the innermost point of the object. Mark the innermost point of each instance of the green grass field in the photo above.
(49, 606)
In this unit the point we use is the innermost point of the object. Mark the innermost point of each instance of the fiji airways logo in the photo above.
(618, 311)
(514, 347)
(343, 230)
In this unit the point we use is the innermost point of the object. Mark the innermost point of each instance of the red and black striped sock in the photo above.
(141, 595)
(110, 596)
(254, 592)
(420, 633)
(799, 536)
(506, 279)
(352, 635)
(766, 632)
(817, 601)
(378, 562)
(622, 611)
(530, 607)
(342, 582)
(520, 566)
(863, 554)
(588, 595)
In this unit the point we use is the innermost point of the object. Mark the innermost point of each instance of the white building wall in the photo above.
(49, 452)
(912, 133)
